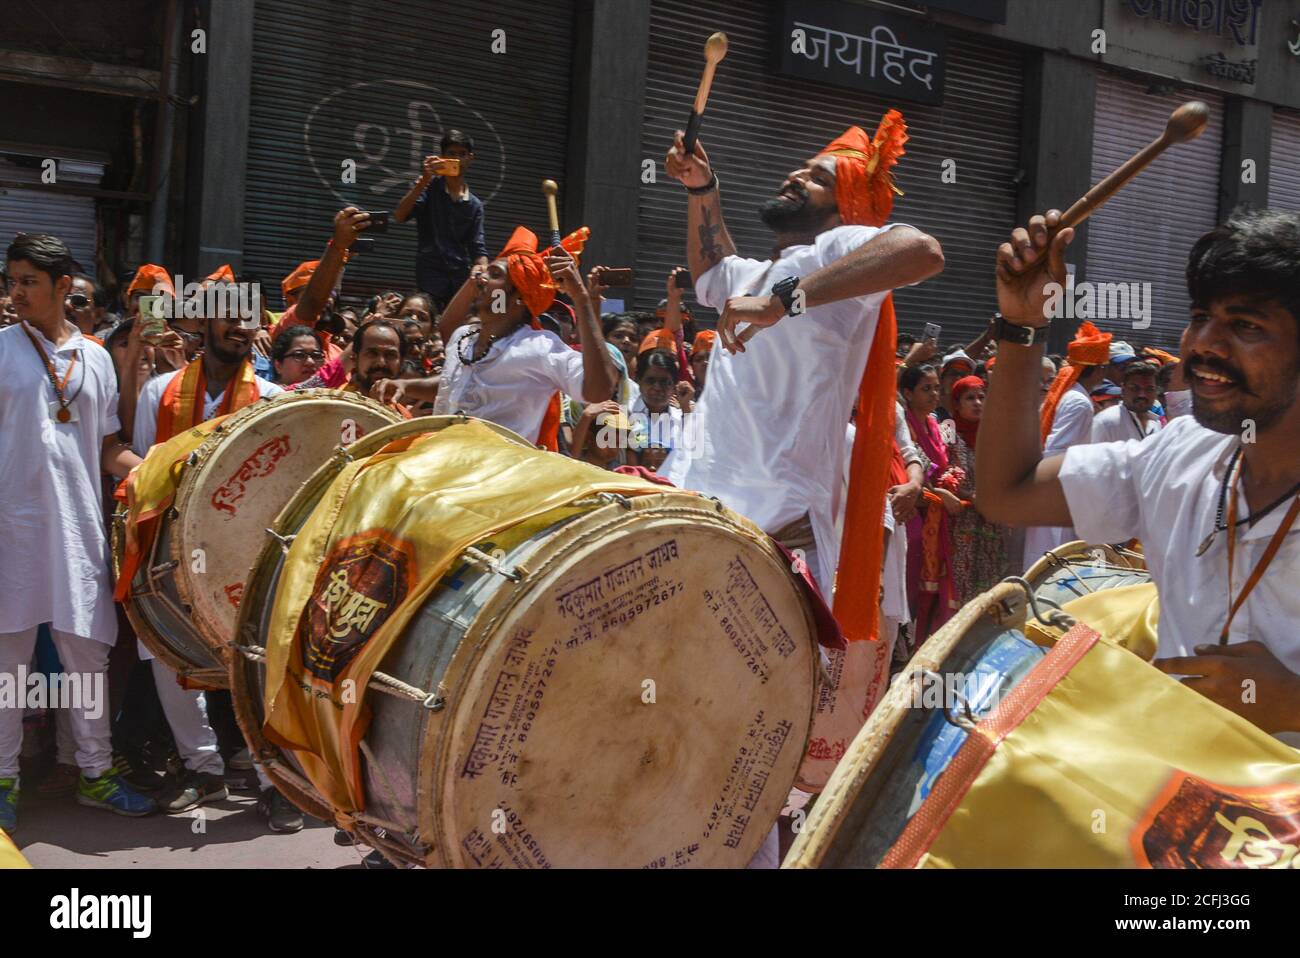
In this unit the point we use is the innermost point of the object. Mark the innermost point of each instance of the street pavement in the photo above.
(59, 833)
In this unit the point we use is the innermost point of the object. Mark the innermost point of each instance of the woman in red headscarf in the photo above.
(979, 551)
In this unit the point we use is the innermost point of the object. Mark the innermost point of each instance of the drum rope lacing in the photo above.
(379, 681)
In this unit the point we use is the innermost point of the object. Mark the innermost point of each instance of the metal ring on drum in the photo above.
(975, 660)
(183, 600)
(602, 776)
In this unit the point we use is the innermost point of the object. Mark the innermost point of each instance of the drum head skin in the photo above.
(644, 703)
(243, 475)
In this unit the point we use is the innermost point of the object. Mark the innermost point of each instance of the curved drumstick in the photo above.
(1185, 123)
(715, 48)
(550, 188)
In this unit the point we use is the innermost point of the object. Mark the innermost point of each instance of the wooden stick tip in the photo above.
(715, 48)
(1187, 122)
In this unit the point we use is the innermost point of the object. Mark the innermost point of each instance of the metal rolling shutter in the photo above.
(1146, 231)
(1284, 164)
(70, 218)
(760, 125)
(428, 67)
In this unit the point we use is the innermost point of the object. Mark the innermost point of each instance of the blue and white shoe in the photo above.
(9, 804)
(111, 791)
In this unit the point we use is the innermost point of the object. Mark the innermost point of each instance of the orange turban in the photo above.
(1159, 355)
(703, 341)
(527, 267)
(147, 277)
(657, 339)
(1090, 347)
(222, 274)
(864, 178)
(299, 277)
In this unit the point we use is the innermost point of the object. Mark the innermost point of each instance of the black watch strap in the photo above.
(1020, 335)
(708, 187)
(784, 290)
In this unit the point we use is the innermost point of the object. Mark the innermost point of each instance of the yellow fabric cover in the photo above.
(1127, 615)
(376, 545)
(10, 856)
(1120, 766)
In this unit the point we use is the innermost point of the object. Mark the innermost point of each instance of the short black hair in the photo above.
(657, 359)
(1255, 254)
(456, 138)
(98, 293)
(612, 321)
(1138, 367)
(280, 347)
(911, 376)
(358, 339)
(47, 253)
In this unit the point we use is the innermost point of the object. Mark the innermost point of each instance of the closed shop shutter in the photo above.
(1143, 235)
(377, 84)
(760, 125)
(1284, 164)
(70, 218)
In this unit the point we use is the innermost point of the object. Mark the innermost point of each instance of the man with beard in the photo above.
(1131, 417)
(1213, 496)
(768, 435)
(379, 347)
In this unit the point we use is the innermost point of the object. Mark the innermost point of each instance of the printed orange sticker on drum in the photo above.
(185, 597)
(626, 681)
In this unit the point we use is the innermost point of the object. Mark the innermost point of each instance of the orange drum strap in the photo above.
(957, 778)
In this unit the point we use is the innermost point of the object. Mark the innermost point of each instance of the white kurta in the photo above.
(1071, 426)
(1117, 424)
(513, 383)
(54, 552)
(767, 437)
(1165, 490)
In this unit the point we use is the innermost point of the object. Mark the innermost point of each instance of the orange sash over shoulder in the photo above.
(182, 402)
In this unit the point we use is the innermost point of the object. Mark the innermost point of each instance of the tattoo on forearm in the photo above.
(710, 251)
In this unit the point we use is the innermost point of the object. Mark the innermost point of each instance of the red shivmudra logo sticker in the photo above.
(1198, 824)
(361, 583)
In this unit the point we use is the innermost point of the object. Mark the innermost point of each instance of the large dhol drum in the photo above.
(983, 654)
(628, 686)
(185, 596)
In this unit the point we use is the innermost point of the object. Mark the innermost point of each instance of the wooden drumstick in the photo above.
(549, 189)
(1185, 123)
(715, 48)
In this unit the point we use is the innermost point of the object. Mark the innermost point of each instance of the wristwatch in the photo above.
(784, 291)
(1020, 335)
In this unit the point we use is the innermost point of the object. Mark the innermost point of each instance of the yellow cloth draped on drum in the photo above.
(383, 535)
(148, 491)
(1128, 615)
(10, 856)
(1097, 759)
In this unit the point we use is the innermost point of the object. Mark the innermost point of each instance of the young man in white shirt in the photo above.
(500, 364)
(1240, 447)
(1131, 417)
(58, 431)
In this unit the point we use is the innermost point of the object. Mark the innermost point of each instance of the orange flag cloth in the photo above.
(527, 270)
(864, 192)
(1090, 347)
(299, 277)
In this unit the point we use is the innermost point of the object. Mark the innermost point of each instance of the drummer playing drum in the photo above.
(1213, 497)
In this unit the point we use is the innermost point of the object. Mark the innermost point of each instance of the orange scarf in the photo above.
(182, 401)
(1090, 347)
(864, 193)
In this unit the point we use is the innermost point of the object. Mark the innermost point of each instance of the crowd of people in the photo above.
(797, 411)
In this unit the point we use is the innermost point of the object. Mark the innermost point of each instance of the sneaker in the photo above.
(279, 812)
(241, 761)
(9, 804)
(376, 859)
(110, 791)
(343, 838)
(195, 789)
(61, 781)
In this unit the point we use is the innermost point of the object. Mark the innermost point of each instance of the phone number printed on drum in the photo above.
(619, 595)
(747, 619)
(515, 846)
(747, 778)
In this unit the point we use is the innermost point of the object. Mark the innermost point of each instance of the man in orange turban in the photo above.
(500, 364)
(775, 415)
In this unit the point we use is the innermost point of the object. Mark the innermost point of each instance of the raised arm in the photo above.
(598, 373)
(893, 258)
(402, 212)
(348, 225)
(707, 239)
(1014, 484)
(456, 314)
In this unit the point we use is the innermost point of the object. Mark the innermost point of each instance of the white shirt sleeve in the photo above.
(1072, 425)
(146, 414)
(1101, 491)
(713, 288)
(560, 365)
(108, 392)
(903, 436)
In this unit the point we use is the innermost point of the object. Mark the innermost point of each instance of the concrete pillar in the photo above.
(1247, 135)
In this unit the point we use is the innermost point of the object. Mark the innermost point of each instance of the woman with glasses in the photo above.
(656, 420)
(297, 353)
